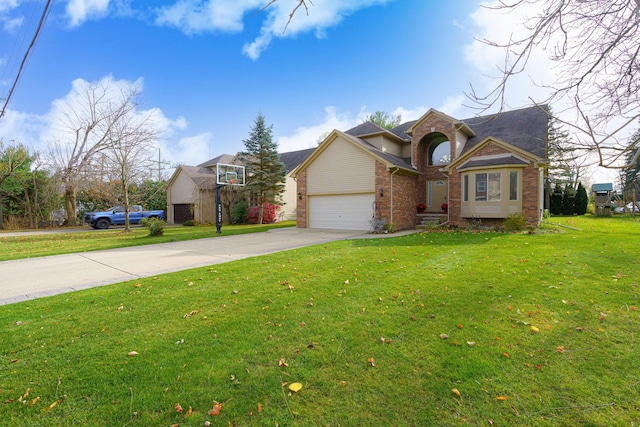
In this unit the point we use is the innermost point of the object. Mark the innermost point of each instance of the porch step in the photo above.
(430, 219)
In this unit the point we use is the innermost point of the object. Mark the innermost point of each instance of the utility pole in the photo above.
(160, 167)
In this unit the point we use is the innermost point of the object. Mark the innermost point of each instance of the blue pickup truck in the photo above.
(115, 216)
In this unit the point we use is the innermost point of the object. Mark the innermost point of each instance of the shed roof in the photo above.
(602, 187)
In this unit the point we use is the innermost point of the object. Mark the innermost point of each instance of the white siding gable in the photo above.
(341, 168)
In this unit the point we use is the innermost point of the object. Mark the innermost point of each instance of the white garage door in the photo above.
(344, 212)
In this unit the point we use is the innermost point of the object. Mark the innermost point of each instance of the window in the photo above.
(513, 185)
(465, 188)
(494, 187)
(481, 187)
(488, 187)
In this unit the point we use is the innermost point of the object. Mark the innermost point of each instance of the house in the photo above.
(191, 190)
(464, 171)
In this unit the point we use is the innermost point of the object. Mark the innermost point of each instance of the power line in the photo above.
(43, 18)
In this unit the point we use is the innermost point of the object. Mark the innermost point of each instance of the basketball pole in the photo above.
(218, 208)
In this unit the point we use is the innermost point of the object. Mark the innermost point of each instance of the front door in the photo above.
(437, 192)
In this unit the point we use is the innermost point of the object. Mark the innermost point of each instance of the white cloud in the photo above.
(453, 105)
(6, 5)
(188, 150)
(82, 10)
(322, 15)
(309, 136)
(198, 16)
(489, 60)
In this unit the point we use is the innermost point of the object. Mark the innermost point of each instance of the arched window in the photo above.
(439, 151)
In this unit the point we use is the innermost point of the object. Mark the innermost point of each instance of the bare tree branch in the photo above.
(595, 47)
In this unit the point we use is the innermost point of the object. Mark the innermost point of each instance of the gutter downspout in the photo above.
(391, 196)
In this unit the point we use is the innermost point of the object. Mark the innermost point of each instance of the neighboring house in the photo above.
(474, 170)
(191, 189)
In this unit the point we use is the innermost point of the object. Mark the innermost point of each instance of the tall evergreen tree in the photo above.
(581, 200)
(265, 173)
(555, 207)
(568, 200)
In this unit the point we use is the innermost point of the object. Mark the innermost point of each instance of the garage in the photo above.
(342, 212)
(182, 212)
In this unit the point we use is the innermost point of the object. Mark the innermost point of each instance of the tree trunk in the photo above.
(70, 204)
(125, 190)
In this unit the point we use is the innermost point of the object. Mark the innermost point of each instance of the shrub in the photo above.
(145, 222)
(268, 213)
(515, 222)
(190, 223)
(239, 212)
(156, 227)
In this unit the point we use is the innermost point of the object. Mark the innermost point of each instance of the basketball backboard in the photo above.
(230, 174)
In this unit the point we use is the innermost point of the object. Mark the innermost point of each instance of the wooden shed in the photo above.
(602, 197)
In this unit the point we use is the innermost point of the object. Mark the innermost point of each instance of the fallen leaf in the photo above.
(535, 329)
(282, 363)
(259, 407)
(34, 401)
(191, 313)
(505, 354)
(189, 412)
(215, 411)
(471, 343)
(372, 361)
(295, 387)
(501, 398)
(579, 328)
(178, 407)
(132, 353)
(460, 326)
(455, 391)
(444, 336)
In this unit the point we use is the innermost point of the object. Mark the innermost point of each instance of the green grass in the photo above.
(30, 246)
(217, 335)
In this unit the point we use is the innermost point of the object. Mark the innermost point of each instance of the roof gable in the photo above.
(203, 178)
(223, 158)
(388, 159)
(460, 124)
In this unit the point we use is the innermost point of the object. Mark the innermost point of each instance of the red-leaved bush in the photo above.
(269, 212)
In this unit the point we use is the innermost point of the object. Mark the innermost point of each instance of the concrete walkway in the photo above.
(27, 279)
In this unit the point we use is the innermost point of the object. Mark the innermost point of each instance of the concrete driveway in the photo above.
(26, 279)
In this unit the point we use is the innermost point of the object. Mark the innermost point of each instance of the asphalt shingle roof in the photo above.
(293, 158)
(508, 160)
(204, 178)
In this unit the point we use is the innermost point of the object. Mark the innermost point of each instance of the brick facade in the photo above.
(404, 195)
(409, 189)
(301, 209)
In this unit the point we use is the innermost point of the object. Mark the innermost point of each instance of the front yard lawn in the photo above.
(443, 328)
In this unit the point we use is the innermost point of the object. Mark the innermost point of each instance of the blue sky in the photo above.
(210, 66)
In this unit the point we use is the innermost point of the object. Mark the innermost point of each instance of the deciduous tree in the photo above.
(384, 119)
(595, 47)
(85, 125)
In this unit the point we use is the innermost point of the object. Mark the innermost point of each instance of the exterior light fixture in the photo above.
(381, 191)
(299, 196)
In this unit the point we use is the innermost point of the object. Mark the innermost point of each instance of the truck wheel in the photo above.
(102, 224)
